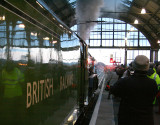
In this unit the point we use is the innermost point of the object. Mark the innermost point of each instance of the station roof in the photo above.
(148, 23)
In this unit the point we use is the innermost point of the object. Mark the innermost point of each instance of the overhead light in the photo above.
(61, 25)
(40, 5)
(21, 26)
(2, 17)
(46, 38)
(54, 41)
(136, 21)
(143, 11)
(33, 34)
(158, 41)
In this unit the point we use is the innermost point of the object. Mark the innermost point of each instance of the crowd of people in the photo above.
(138, 88)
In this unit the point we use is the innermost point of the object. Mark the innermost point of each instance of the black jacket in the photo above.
(137, 94)
(150, 71)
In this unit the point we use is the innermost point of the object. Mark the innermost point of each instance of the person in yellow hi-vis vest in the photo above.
(12, 79)
(152, 74)
(12, 98)
(158, 95)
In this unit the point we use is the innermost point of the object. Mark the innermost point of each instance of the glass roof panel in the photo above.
(73, 3)
(127, 2)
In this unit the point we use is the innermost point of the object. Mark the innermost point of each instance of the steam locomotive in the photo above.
(43, 70)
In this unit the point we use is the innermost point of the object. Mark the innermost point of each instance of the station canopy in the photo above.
(142, 14)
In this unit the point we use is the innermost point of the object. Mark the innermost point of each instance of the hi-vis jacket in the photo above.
(11, 81)
(152, 74)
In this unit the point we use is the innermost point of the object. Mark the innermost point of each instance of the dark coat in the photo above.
(137, 94)
(93, 84)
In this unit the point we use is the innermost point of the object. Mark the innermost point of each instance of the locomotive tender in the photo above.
(43, 72)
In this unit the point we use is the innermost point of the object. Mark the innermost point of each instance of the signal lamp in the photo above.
(111, 60)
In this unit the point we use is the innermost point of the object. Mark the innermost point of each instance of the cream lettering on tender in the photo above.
(34, 92)
(43, 89)
(41, 82)
(40, 89)
(66, 81)
(29, 97)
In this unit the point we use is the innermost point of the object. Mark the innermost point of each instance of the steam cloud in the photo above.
(87, 11)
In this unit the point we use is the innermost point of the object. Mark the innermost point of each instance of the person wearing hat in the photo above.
(137, 93)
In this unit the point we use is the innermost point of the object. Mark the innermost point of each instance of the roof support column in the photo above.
(125, 60)
(156, 55)
(153, 55)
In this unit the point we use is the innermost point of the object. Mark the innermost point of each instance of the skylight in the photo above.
(127, 2)
(73, 3)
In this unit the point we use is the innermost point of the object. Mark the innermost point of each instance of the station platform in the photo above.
(106, 110)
